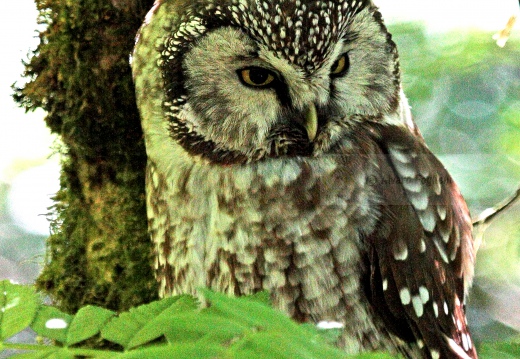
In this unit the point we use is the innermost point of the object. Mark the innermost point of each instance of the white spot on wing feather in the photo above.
(445, 234)
(419, 200)
(437, 185)
(424, 294)
(441, 210)
(417, 305)
(398, 155)
(404, 169)
(422, 247)
(404, 295)
(427, 218)
(457, 349)
(412, 184)
(470, 342)
(401, 255)
(441, 250)
(435, 309)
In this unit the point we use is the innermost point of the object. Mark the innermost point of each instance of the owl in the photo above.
(282, 156)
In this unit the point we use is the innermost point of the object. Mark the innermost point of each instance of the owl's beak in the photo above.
(311, 122)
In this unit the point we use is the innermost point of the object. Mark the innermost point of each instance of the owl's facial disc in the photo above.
(259, 85)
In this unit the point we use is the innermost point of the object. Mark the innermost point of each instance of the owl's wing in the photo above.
(422, 252)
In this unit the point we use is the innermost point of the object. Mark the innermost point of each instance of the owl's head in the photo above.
(249, 79)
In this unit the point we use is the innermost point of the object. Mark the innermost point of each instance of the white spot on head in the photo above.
(435, 354)
(56, 323)
(404, 294)
(420, 344)
(417, 305)
(446, 309)
(324, 324)
(385, 284)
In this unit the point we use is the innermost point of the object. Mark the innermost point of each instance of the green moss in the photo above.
(99, 251)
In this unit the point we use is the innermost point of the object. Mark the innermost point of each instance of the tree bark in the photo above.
(99, 251)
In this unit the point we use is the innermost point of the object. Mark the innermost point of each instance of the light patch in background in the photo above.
(30, 197)
(444, 15)
(25, 141)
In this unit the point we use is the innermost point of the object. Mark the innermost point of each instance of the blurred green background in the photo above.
(465, 96)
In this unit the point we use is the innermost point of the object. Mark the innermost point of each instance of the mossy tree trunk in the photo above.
(99, 251)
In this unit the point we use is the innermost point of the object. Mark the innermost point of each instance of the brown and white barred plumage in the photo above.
(359, 224)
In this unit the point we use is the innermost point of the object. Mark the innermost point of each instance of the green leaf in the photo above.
(59, 353)
(124, 329)
(330, 336)
(262, 297)
(52, 323)
(375, 355)
(86, 323)
(251, 313)
(283, 345)
(271, 333)
(157, 326)
(18, 306)
(181, 351)
(207, 325)
(47, 354)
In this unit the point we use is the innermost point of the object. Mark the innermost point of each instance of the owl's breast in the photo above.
(292, 226)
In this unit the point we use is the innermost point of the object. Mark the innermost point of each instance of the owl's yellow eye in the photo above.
(256, 76)
(340, 66)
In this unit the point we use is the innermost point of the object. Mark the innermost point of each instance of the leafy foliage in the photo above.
(170, 328)
(18, 307)
(238, 328)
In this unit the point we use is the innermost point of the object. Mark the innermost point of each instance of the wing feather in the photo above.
(423, 249)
